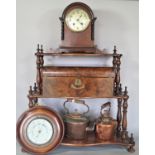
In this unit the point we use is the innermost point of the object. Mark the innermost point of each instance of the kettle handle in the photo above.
(107, 104)
(76, 101)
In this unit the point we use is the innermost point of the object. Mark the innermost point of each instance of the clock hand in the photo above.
(79, 18)
(79, 22)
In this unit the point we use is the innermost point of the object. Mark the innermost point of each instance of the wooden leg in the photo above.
(132, 144)
(119, 118)
(24, 151)
(131, 149)
(35, 101)
(124, 134)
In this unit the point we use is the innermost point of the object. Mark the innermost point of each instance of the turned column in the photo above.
(38, 63)
(41, 65)
(41, 57)
(124, 121)
(119, 118)
(118, 73)
(115, 66)
(30, 98)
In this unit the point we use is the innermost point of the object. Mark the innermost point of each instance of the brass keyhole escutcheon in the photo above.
(77, 84)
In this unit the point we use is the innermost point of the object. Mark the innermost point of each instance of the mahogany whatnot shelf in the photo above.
(122, 138)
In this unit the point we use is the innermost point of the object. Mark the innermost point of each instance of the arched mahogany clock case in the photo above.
(74, 40)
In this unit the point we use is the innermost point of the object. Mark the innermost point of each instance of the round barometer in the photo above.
(40, 130)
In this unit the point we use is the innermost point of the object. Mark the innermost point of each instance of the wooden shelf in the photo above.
(110, 97)
(62, 52)
(75, 54)
(92, 140)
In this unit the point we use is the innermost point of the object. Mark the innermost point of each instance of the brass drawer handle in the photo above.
(77, 84)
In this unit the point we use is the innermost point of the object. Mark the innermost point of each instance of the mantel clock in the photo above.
(77, 27)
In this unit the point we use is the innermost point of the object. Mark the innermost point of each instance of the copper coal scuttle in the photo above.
(76, 124)
(105, 125)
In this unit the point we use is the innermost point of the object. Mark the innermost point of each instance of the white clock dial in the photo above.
(39, 131)
(77, 20)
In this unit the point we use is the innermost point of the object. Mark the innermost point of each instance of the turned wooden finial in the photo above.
(120, 88)
(30, 90)
(115, 58)
(38, 48)
(115, 50)
(35, 87)
(41, 49)
(125, 92)
(41, 56)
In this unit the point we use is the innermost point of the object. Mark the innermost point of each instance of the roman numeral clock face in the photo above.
(77, 20)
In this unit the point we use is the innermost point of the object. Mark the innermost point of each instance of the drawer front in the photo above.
(77, 87)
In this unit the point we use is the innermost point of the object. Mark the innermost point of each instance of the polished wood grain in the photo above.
(75, 39)
(95, 72)
(93, 82)
(66, 87)
(92, 140)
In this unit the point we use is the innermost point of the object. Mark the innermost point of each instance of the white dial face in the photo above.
(77, 20)
(39, 131)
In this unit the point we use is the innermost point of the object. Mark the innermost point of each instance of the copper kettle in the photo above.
(106, 125)
(76, 123)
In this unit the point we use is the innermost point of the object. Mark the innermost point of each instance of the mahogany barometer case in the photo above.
(40, 129)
